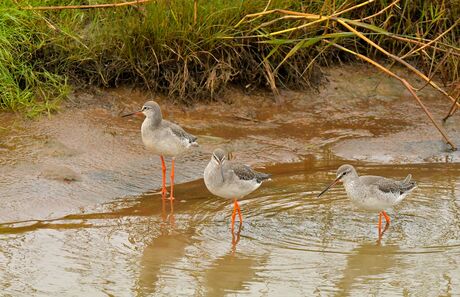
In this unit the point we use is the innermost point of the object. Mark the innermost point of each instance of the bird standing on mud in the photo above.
(373, 193)
(163, 138)
(231, 180)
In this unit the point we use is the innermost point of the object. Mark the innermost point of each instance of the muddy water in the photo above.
(290, 243)
(80, 212)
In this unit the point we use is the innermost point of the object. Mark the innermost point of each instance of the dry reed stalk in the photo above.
(431, 76)
(272, 82)
(421, 43)
(454, 106)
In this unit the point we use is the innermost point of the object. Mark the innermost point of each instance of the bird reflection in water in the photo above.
(367, 263)
(161, 252)
(235, 238)
(381, 233)
(165, 217)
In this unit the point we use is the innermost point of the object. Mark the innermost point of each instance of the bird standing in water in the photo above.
(231, 180)
(374, 193)
(163, 138)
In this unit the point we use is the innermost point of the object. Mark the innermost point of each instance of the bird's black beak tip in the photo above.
(328, 187)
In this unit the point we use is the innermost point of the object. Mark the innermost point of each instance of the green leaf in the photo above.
(302, 44)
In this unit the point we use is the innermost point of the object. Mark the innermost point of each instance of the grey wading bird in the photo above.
(231, 180)
(373, 193)
(163, 138)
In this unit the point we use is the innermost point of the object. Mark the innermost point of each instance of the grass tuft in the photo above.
(160, 46)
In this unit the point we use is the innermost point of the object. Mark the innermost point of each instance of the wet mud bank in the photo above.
(87, 154)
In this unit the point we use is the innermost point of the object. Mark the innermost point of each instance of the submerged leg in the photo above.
(380, 224)
(163, 185)
(235, 239)
(171, 197)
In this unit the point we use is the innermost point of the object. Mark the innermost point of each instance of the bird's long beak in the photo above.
(328, 187)
(139, 112)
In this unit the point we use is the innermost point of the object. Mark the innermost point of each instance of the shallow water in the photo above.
(72, 221)
(290, 243)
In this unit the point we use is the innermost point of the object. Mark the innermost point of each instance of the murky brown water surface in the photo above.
(80, 212)
(290, 243)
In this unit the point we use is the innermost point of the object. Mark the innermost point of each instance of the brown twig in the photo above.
(450, 48)
(454, 106)
(452, 110)
(270, 76)
(435, 70)
(106, 5)
(406, 84)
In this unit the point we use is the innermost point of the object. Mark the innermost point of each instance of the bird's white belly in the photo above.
(370, 204)
(233, 190)
(368, 201)
(165, 145)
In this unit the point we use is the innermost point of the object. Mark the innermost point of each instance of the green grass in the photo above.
(25, 84)
(158, 47)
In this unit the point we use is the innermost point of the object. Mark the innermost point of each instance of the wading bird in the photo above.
(231, 180)
(163, 138)
(374, 193)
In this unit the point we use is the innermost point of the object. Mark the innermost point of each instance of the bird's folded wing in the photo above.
(179, 132)
(382, 184)
(243, 172)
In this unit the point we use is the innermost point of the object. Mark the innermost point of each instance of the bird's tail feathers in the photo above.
(408, 185)
(407, 179)
(263, 176)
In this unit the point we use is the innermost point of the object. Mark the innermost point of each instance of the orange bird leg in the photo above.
(387, 217)
(239, 211)
(171, 197)
(163, 185)
(380, 224)
(235, 207)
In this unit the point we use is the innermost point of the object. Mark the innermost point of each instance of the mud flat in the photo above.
(87, 155)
